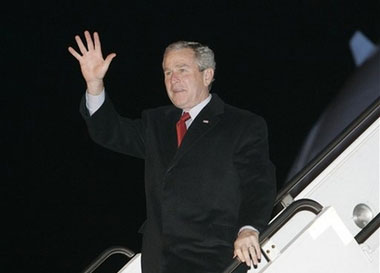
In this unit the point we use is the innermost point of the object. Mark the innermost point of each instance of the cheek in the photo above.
(167, 83)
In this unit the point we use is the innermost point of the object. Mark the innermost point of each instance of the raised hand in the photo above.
(92, 63)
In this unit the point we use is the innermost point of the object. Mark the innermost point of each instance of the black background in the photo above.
(65, 199)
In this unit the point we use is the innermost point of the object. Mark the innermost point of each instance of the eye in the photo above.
(167, 73)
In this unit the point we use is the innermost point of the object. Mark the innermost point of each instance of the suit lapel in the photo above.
(169, 135)
(204, 122)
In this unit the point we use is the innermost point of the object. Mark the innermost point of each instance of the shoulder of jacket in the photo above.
(160, 111)
(241, 113)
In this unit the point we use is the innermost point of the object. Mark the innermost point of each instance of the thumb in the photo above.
(109, 58)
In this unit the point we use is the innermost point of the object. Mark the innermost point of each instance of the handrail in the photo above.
(368, 230)
(279, 222)
(106, 254)
(327, 155)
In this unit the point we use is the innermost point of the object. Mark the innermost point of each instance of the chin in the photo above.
(178, 100)
(179, 105)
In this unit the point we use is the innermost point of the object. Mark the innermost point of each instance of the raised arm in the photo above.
(92, 64)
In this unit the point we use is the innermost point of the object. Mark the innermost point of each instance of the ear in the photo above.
(208, 76)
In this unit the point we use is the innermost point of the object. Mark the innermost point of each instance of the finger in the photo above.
(80, 44)
(74, 53)
(247, 257)
(90, 44)
(256, 245)
(253, 254)
(98, 46)
(240, 255)
(258, 251)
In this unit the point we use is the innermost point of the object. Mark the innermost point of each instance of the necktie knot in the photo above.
(185, 116)
(181, 127)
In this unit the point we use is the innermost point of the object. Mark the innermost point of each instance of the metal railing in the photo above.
(105, 255)
(368, 230)
(301, 180)
(279, 222)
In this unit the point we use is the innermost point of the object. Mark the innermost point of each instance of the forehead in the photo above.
(179, 57)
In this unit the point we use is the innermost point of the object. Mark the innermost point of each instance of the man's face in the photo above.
(185, 84)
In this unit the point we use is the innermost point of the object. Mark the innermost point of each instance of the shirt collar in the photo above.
(197, 109)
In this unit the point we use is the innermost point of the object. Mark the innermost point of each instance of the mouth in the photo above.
(177, 90)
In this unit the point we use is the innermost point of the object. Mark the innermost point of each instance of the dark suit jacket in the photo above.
(197, 196)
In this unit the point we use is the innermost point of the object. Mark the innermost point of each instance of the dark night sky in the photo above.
(67, 199)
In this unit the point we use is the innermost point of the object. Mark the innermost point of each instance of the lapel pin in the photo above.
(205, 121)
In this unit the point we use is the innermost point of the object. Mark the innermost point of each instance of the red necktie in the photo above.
(181, 127)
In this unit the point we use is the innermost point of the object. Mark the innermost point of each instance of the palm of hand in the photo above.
(93, 65)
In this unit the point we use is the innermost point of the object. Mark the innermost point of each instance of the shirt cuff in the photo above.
(93, 102)
(248, 227)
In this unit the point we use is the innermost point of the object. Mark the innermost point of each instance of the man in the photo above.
(209, 193)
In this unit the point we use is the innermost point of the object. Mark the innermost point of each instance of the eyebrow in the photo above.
(182, 65)
(177, 66)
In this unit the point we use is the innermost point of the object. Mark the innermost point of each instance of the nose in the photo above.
(174, 78)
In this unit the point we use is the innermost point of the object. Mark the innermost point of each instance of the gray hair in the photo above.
(203, 54)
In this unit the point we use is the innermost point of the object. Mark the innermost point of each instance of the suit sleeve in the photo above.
(112, 131)
(257, 175)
